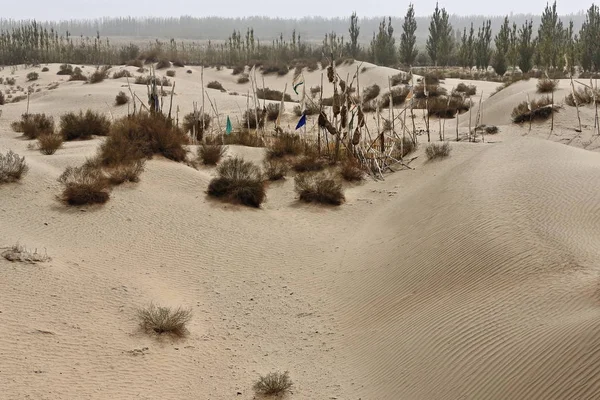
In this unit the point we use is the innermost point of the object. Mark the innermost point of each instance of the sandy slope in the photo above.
(471, 278)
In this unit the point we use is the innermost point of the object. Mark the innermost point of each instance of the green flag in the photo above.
(228, 128)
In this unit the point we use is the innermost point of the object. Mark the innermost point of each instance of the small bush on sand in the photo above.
(437, 150)
(12, 167)
(405, 145)
(215, 85)
(2, 99)
(309, 163)
(163, 64)
(538, 109)
(84, 185)
(275, 169)
(583, 96)
(319, 188)
(469, 90)
(141, 136)
(243, 137)
(285, 145)
(164, 320)
(99, 74)
(249, 119)
(399, 95)
(351, 170)
(123, 73)
(45, 69)
(272, 111)
(146, 80)
(401, 78)
(273, 384)
(10, 81)
(78, 75)
(65, 69)
(238, 69)
(135, 63)
(269, 94)
(189, 71)
(279, 69)
(178, 63)
(49, 143)
(370, 93)
(128, 172)
(243, 79)
(309, 109)
(34, 125)
(432, 91)
(238, 181)
(200, 122)
(211, 154)
(491, 129)
(84, 126)
(32, 76)
(546, 85)
(171, 73)
(121, 98)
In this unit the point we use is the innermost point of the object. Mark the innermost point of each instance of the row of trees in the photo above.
(554, 46)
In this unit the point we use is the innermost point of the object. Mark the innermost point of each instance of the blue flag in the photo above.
(302, 121)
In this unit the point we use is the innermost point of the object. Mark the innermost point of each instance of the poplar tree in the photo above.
(408, 39)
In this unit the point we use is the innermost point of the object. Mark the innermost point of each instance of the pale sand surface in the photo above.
(475, 277)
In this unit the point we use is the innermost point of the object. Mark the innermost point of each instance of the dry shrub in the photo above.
(469, 90)
(128, 172)
(273, 384)
(211, 154)
(35, 125)
(178, 63)
(12, 167)
(45, 69)
(189, 71)
(546, 85)
(310, 108)
(399, 95)
(99, 74)
(351, 170)
(445, 107)
(268, 94)
(162, 64)
(369, 106)
(583, 96)
(243, 137)
(433, 77)
(32, 76)
(279, 69)
(141, 136)
(2, 99)
(285, 145)
(121, 98)
(309, 163)
(123, 73)
(84, 126)
(272, 111)
(135, 63)
(319, 188)
(238, 181)
(491, 129)
(275, 169)
(406, 146)
(541, 109)
(78, 75)
(10, 81)
(314, 91)
(200, 122)
(215, 85)
(84, 185)
(65, 69)
(370, 93)
(171, 73)
(238, 69)
(432, 90)
(401, 78)
(164, 320)
(243, 79)
(249, 119)
(18, 253)
(18, 98)
(147, 80)
(49, 143)
(437, 150)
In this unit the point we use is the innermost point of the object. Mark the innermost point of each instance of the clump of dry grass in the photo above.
(370, 93)
(319, 188)
(121, 98)
(135, 63)
(243, 137)
(128, 172)
(583, 96)
(491, 129)
(18, 253)
(469, 90)
(34, 125)
(78, 75)
(65, 69)
(432, 91)
(171, 73)
(84, 185)
(539, 109)
(272, 111)
(211, 154)
(445, 107)
(279, 69)
(99, 74)
(546, 85)
(269, 94)
(141, 136)
(12, 167)
(401, 78)
(351, 170)
(215, 85)
(238, 69)
(162, 64)
(407, 146)
(49, 143)
(249, 119)
(45, 69)
(84, 126)
(238, 181)
(32, 76)
(164, 320)
(309, 109)
(399, 95)
(123, 73)
(178, 63)
(437, 150)
(273, 384)
(243, 79)
(285, 145)
(275, 169)
(309, 163)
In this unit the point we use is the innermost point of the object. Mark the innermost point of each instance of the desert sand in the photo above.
(474, 277)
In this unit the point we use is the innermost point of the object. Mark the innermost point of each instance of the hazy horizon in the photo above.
(92, 9)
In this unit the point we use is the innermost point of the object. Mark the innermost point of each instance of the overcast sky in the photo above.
(67, 9)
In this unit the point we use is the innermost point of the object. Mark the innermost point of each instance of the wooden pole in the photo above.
(575, 101)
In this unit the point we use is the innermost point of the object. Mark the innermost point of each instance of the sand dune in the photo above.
(471, 278)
